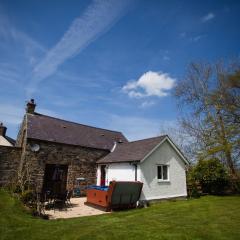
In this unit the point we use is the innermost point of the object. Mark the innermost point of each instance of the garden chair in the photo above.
(68, 198)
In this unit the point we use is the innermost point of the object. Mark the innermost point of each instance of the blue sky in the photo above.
(110, 64)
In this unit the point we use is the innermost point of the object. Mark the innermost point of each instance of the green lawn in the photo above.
(205, 218)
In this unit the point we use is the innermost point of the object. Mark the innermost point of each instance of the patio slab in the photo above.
(78, 209)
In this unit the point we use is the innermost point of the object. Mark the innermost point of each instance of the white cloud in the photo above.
(95, 20)
(208, 17)
(150, 84)
(147, 104)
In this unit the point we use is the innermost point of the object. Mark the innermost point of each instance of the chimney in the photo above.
(3, 130)
(30, 108)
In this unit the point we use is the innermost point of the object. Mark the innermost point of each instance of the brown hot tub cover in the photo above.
(119, 195)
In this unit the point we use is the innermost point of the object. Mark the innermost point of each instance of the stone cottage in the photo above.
(56, 152)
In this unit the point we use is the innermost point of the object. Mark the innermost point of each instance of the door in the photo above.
(55, 178)
(103, 175)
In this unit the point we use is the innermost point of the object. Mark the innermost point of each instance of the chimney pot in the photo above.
(3, 130)
(30, 108)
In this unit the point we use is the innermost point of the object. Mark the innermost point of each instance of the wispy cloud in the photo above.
(208, 17)
(166, 58)
(147, 104)
(182, 35)
(150, 84)
(19, 51)
(135, 127)
(8, 32)
(95, 20)
(165, 54)
(49, 112)
(197, 38)
(11, 114)
(79, 81)
(8, 74)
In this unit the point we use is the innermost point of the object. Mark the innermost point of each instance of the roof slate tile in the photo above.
(52, 129)
(132, 151)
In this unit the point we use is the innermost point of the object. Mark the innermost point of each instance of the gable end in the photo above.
(184, 159)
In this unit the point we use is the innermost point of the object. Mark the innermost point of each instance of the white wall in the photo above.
(98, 175)
(118, 172)
(152, 188)
(4, 142)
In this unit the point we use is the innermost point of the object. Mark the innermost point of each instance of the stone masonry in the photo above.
(81, 162)
(9, 163)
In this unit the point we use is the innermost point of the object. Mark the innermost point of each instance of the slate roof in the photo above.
(132, 151)
(46, 128)
(11, 140)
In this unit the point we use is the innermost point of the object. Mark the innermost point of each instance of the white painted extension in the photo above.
(162, 171)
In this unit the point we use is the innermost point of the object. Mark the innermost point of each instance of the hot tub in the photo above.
(102, 188)
(119, 194)
(98, 195)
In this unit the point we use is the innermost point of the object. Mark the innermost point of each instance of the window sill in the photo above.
(164, 181)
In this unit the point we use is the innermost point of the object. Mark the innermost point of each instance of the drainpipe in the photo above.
(135, 168)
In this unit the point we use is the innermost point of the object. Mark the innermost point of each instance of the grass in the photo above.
(209, 217)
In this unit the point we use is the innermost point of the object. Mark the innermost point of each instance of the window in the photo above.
(162, 172)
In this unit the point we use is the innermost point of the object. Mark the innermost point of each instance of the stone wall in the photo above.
(81, 161)
(9, 163)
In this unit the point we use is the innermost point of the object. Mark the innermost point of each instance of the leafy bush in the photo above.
(28, 197)
(211, 175)
(193, 190)
(193, 187)
(234, 186)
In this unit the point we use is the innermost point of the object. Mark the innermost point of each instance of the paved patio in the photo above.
(78, 209)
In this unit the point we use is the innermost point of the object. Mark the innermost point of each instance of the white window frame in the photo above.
(168, 177)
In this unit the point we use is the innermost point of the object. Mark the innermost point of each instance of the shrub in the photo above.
(211, 175)
(193, 190)
(28, 197)
(235, 186)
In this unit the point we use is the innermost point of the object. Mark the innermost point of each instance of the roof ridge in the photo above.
(40, 114)
(165, 135)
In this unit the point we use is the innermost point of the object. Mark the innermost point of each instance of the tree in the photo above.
(181, 138)
(228, 96)
(210, 95)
